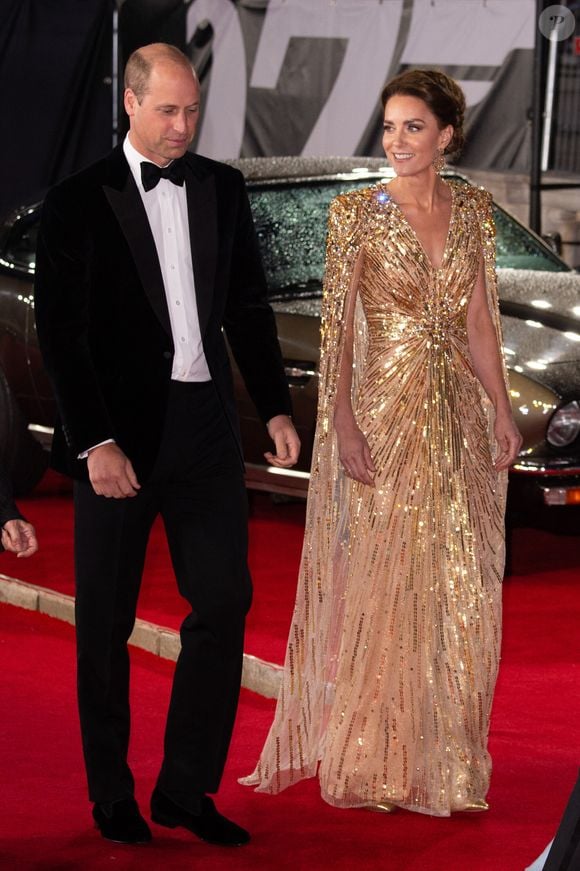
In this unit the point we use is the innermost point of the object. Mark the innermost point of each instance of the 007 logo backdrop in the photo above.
(303, 76)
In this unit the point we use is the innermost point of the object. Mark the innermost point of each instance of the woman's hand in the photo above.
(508, 438)
(354, 452)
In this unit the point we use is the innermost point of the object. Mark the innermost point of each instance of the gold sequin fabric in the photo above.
(394, 645)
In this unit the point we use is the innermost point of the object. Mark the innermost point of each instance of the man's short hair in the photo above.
(142, 60)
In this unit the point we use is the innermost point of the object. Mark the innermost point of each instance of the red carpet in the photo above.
(45, 821)
(275, 543)
(44, 817)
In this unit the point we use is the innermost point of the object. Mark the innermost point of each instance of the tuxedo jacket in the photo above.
(8, 509)
(102, 316)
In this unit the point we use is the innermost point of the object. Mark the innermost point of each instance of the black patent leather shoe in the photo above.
(209, 824)
(121, 822)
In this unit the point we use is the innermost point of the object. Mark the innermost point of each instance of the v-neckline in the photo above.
(415, 234)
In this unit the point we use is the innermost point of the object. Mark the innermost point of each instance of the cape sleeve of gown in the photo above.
(484, 205)
(294, 744)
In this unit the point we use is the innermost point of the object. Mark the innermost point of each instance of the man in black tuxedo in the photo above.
(144, 260)
(17, 534)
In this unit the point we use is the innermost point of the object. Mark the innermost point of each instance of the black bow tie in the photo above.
(151, 173)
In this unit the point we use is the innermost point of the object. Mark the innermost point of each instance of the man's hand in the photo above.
(281, 431)
(111, 473)
(19, 537)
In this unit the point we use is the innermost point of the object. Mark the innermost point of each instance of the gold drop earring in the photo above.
(438, 160)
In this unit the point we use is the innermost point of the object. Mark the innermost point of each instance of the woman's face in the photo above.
(412, 136)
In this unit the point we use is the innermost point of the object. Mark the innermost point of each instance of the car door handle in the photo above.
(299, 373)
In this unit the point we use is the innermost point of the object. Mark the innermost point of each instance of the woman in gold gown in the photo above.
(394, 645)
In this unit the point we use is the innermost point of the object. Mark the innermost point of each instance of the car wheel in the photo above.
(22, 456)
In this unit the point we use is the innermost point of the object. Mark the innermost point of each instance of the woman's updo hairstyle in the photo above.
(439, 92)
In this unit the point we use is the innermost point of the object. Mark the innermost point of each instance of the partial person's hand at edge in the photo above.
(282, 432)
(111, 472)
(19, 537)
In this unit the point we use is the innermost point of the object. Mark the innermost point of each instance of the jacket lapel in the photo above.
(202, 214)
(125, 201)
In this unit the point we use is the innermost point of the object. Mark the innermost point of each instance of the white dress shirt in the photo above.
(166, 207)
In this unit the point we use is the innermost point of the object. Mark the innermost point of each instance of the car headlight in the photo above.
(564, 425)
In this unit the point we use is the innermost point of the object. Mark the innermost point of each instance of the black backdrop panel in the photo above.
(55, 69)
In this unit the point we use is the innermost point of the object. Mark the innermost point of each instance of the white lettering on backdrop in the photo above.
(471, 34)
(224, 115)
(371, 31)
(447, 33)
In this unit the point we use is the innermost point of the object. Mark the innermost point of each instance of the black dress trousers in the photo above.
(197, 486)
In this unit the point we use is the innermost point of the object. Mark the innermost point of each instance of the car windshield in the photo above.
(291, 225)
(517, 248)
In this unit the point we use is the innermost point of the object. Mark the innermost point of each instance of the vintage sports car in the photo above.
(540, 305)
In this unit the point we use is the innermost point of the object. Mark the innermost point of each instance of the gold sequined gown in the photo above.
(394, 646)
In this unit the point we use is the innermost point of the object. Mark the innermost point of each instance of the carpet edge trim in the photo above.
(258, 675)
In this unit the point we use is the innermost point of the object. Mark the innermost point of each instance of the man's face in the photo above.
(163, 124)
